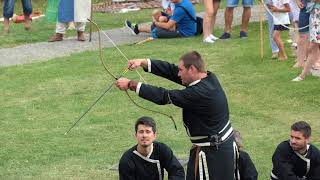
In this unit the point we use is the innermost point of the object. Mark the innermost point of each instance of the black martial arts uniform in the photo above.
(134, 166)
(245, 167)
(290, 165)
(205, 117)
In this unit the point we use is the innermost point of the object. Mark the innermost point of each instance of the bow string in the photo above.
(116, 78)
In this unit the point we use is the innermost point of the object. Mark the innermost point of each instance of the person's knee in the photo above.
(275, 35)
(303, 38)
(246, 9)
(209, 12)
(312, 48)
(229, 10)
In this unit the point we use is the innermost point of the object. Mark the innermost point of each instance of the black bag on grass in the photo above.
(198, 20)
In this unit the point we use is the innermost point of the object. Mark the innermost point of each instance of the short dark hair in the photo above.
(193, 58)
(303, 127)
(147, 121)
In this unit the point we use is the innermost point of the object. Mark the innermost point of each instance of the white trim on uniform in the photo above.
(224, 137)
(224, 127)
(150, 160)
(274, 176)
(194, 82)
(138, 87)
(203, 163)
(303, 157)
(149, 65)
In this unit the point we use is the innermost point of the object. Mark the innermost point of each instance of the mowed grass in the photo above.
(41, 29)
(40, 101)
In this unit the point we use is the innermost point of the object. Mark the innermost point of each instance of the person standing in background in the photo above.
(8, 9)
(77, 11)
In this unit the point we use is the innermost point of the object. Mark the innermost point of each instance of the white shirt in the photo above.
(166, 3)
(82, 10)
(280, 17)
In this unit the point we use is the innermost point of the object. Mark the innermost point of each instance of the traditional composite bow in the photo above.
(115, 78)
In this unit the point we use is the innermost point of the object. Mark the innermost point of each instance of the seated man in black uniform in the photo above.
(148, 159)
(245, 169)
(296, 159)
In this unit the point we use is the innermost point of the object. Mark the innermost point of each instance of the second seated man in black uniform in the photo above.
(296, 159)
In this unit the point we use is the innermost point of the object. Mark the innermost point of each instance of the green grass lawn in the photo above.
(40, 101)
(42, 30)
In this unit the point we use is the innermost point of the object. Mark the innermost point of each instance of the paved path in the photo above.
(44, 51)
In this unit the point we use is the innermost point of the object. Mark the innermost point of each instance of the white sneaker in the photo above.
(295, 45)
(297, 79)
(213, 37)
(208, 40)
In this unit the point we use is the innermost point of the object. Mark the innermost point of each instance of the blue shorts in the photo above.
(163, 33)
(280, 27)
(234, 3)
(303, 20)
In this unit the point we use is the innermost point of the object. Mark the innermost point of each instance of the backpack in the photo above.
(198, 21)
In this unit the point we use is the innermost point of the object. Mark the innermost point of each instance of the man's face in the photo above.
(184, 74)
(297, 141)
(145, 135)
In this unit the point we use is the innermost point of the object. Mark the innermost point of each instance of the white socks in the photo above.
(210, 39)
(213, 37)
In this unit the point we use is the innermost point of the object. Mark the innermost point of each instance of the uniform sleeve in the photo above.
(171, 164)
(247, 169)
(315, 166)
(282, 165)
(182, 98)
(165, 70)
(126, 169)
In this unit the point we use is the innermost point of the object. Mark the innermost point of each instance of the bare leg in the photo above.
(312, 58)
(144, 28)
(246, 14)
(211, 9)
(295, 32)
(317, 64)
(228, 18)
(27, 22)
(279, 42)
(216, 5)
(303, 43)
(6, 23)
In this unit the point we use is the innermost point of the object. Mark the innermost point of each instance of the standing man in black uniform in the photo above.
(296, 159)
(148, 159)
(205, 112)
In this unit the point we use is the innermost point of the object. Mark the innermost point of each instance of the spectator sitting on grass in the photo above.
(185, 26)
